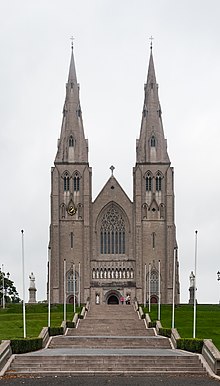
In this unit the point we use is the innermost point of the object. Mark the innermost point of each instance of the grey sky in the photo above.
(111, 52)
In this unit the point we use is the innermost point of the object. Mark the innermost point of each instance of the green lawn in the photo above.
(11, 319)
(207, 320)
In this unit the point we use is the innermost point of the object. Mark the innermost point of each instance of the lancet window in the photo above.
(76, 182)
(153, 141)
(66, 182)
(158, 182)
(71, 141)
(112, 232)
(148, 182)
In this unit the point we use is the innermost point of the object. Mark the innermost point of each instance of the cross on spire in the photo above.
(151, 42)
(72, 39)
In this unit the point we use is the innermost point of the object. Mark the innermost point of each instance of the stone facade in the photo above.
(112, 247)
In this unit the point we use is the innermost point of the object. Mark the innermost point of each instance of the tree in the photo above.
(7, 286)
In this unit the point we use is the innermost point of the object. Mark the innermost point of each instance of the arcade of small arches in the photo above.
(112, 273)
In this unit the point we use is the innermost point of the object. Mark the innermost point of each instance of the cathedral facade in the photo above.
(112, 247)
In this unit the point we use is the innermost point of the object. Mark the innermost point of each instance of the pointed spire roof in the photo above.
(72, 69)
(151, 146)
(72, 145)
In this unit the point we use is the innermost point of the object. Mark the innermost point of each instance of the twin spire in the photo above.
(151, 146)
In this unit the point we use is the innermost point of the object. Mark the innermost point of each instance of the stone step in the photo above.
(109, 342)
(68, 364)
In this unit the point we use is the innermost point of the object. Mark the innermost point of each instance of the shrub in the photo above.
(20, 346)
(70, 324)
(165, 332)
(193, 345)
(55, 331)
(152, 324)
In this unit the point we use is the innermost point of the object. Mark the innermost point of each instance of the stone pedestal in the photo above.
(191, 295)
(32, 295)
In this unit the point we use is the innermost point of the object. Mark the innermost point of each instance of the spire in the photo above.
(72, 69)
(151, 146)
(72, 145)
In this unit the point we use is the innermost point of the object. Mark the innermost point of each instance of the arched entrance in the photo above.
(113, 299)
(154, 299)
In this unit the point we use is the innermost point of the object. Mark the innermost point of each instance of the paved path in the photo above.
(112, 381)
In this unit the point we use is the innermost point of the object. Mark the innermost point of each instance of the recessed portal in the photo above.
(113, 299)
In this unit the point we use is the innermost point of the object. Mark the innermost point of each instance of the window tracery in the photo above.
(112, 232)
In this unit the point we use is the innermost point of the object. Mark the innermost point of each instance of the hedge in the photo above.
(55, 331)
(152, 324)
(165, 332)
(193, 345)
(20, 346)
(70, 324)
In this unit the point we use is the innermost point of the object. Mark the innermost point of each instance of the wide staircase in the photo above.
(111, 339)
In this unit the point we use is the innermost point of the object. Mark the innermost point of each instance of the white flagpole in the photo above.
(159, 290)
(174, 281)
(64, 290)
(79, 299)
(194, 316)
(3, 287)
(149, 275)
(74, 289)
(49, 281)
(145, 284)
(22, 252)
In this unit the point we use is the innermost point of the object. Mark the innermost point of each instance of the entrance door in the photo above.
(113, 299)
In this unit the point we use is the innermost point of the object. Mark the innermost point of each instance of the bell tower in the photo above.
(70, 202)
(153, 184)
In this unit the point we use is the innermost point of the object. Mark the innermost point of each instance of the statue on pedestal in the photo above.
(32, 289)
(191, 288)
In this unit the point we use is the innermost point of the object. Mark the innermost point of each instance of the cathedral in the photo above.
(111, 248)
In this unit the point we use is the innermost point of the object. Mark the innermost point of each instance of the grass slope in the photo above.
(11, 319)
(207, 320)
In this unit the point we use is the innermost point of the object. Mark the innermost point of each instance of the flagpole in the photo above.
(194, 316)
(79, 299)
(174, 281)
(74, 289)
(22, 252)
(64, 290)
(49, 282)
(145, 284)
(159, 290)
(149, 286)
(3, 287)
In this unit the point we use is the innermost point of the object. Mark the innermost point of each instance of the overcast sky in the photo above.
(111, 50)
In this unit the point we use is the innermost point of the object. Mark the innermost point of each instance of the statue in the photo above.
(32, 289)
(32, 280)
(191, 287)
(192, 279)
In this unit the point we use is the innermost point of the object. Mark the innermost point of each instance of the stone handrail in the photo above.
(148, 319)
(5, 352)
(174, 337)
(212, 355)
(75, 320)
(44, 334)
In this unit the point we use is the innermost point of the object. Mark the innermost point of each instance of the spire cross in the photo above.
(112, 169)
(72, 39)
(151, 42)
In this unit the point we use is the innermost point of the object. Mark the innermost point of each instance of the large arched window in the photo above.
(72, 281)
(158, 182)
(154, 281)
(112, 232)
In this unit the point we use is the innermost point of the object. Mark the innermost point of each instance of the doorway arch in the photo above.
(112, 299)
